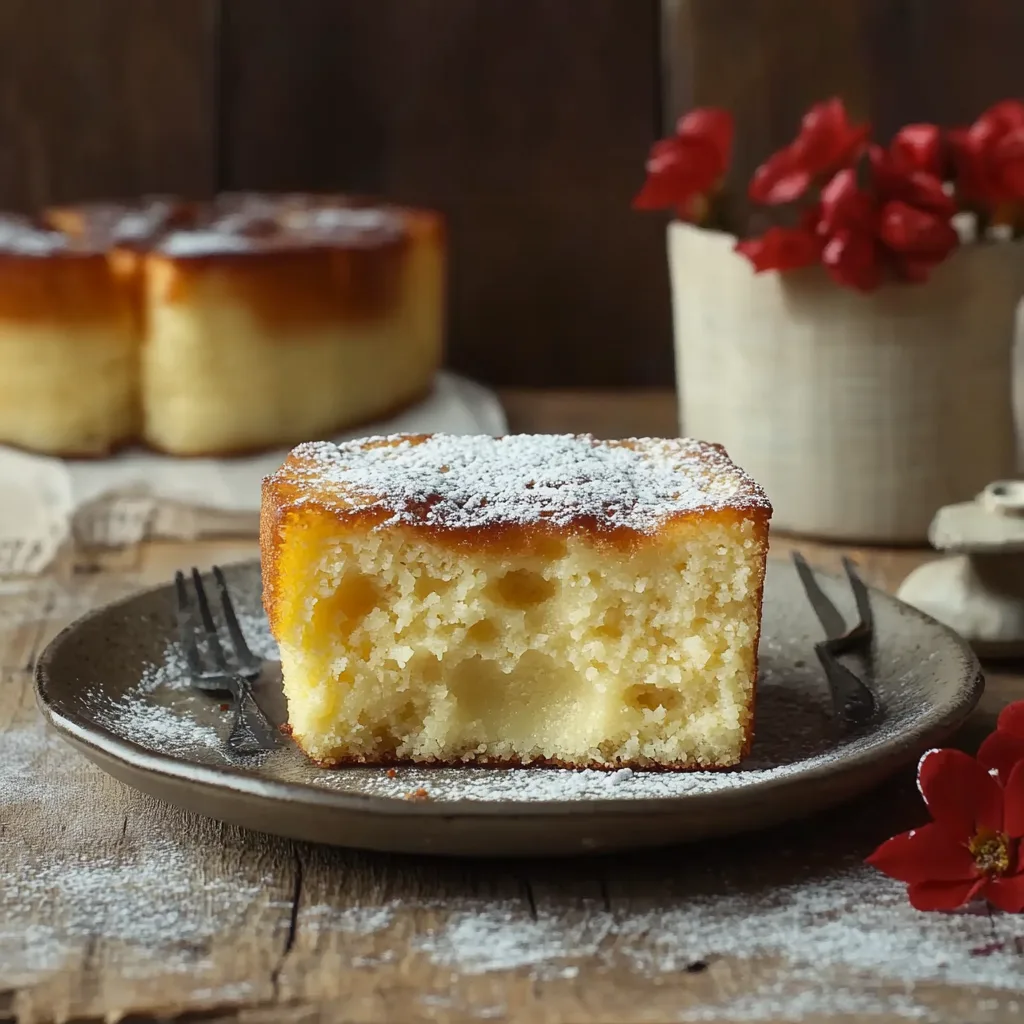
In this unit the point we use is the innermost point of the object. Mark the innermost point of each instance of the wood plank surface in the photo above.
(114, 907)
(527, 122)
(106, 98)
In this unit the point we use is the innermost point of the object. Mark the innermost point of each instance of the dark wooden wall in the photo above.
(526, 121)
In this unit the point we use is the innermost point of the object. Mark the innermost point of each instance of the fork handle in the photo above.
(853, 701)
(251, 731)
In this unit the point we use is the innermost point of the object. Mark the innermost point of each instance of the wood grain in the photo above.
(525, 121)
(106, 98)
(116, 907)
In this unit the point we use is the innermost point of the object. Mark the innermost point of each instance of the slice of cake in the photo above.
(275, 321)
(516, 600)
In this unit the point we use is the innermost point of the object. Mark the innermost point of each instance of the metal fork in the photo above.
(852, 699)
(251, 732)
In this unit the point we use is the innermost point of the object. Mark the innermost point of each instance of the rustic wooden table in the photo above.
(115, 907)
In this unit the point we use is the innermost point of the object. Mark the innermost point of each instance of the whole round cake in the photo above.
(248, 322)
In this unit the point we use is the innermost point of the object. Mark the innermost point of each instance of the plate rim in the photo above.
(90, 736)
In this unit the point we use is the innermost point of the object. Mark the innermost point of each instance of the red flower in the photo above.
(683, 169)
(781, 249)
(918, 147)
(990, 155)
(971, 849)
(849, 222)
(919, 240)
(846, 206)
(852, 259)
(895, 178)
(1005, 747)
(827, 142)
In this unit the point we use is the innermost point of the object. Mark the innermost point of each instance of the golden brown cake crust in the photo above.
(347, 271)
(234, 227)
(52, 277)
(293, 259)
(483, 761)
(517, 493)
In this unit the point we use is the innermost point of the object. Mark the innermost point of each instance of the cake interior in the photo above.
(209, 361)
(398, 647)
(68, 389)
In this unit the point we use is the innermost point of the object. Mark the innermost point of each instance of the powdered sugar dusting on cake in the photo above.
(203, 243)
(20, 238)
(468, 482)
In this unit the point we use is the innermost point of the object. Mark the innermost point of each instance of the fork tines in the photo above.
(192, 631)
(251, 731)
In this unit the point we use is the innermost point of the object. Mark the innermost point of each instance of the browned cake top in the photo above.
(253, 224)
(24, 237)
(136, 224)
(478, 482)
(231, 225)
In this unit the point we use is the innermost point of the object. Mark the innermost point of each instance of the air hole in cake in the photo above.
(384, 740)
(427, 584)
(650, 698)
(354, 598)
(523, 588)
(482, 632)
(526, 709)
(612, 624)
(658, 638)
(428, 670)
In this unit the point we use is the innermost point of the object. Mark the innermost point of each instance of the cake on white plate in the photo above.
(520, 600)
(245, 323)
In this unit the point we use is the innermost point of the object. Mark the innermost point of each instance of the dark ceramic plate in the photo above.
(113, 685)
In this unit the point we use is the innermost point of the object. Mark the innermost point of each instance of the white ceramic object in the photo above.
(978, 588)
(860, 415)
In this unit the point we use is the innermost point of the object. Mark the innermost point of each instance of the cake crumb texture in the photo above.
(618, 627)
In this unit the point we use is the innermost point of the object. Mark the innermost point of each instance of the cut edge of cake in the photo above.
(413, 629)
(100, 287)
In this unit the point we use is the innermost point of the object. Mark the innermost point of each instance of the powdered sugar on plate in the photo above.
(796, 732)
(163, 713)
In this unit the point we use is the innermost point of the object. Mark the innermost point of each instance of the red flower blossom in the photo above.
(846, 206)
(918, 147)
(1005, 747)
(827, 142)
(781, 249)
(684, 169)
(918, 239)
(849, 223)
(989, 155)
(852, 259)
(971, 849)
(894, 178)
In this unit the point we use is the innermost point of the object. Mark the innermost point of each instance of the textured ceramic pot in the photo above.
(860, 415)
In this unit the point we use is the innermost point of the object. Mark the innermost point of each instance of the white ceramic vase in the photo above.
(860, 415)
